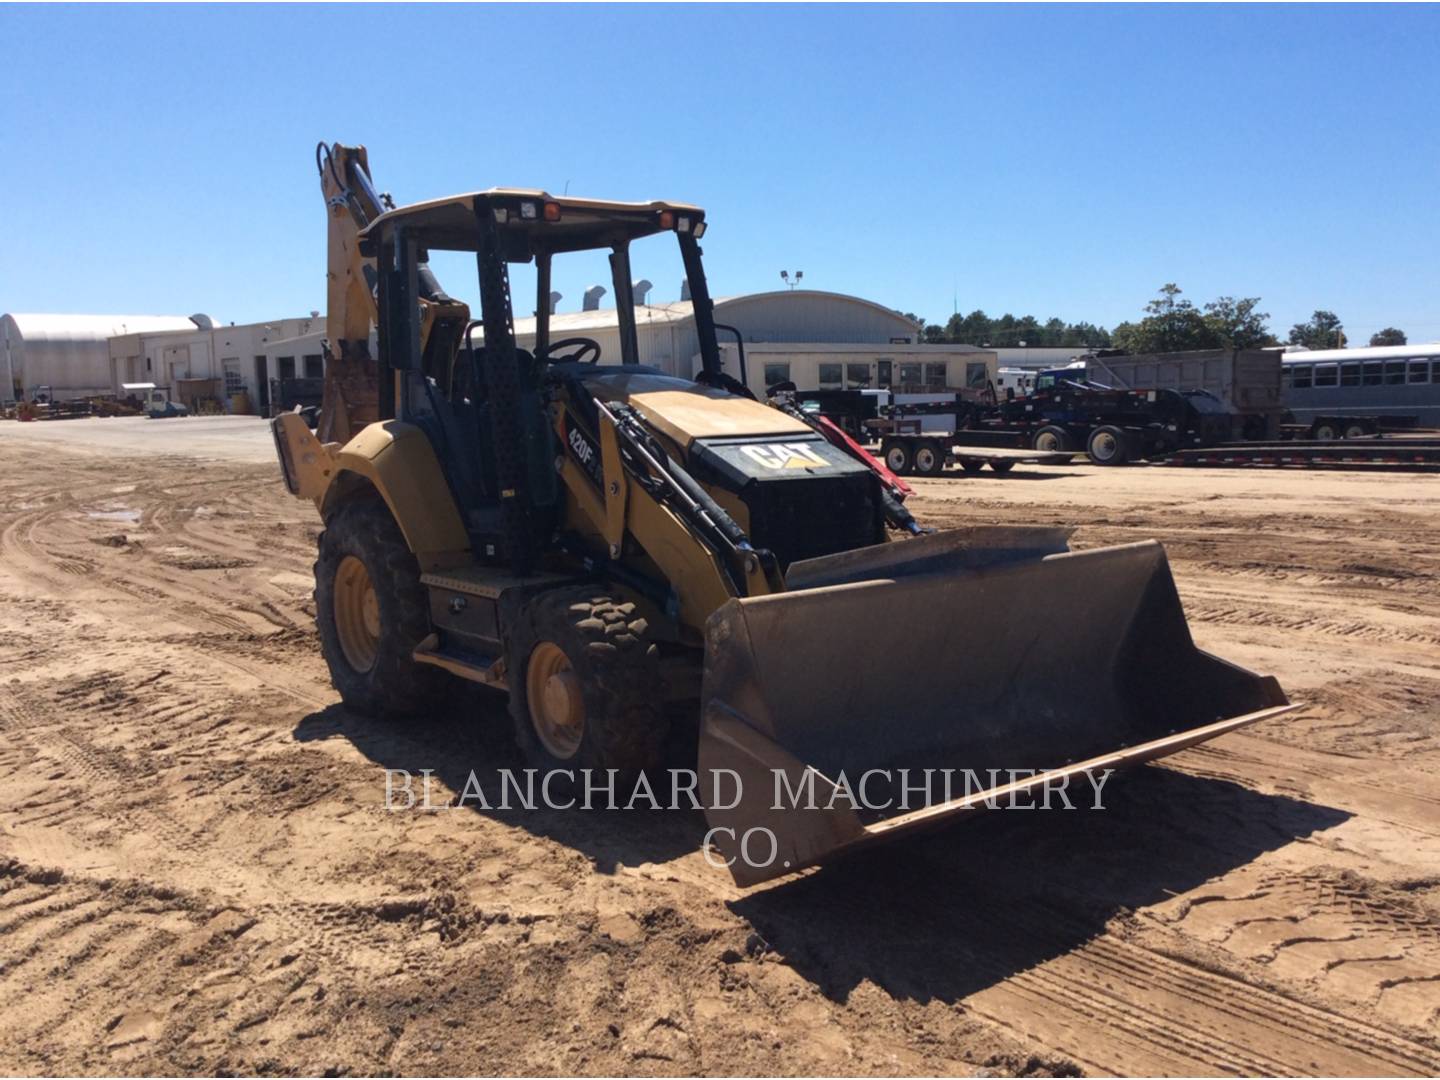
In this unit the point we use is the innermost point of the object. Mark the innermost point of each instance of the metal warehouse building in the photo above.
(69, 353)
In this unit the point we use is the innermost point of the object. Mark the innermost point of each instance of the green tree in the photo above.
(1170, 325)
(1321, 332)
(1389, 336)
(977, 328)
(1238, 324)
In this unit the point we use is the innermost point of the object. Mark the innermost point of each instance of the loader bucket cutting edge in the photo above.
(981, 649)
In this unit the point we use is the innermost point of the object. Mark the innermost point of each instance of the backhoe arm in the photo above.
(351, 378)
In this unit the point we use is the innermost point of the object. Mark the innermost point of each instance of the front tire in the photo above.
(585, 685)
(371, 611)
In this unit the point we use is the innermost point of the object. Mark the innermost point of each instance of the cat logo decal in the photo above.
(784, 456)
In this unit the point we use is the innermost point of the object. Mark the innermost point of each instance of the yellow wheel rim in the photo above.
(557, 705)
(357, 614)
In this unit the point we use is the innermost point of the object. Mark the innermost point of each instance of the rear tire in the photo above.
(1327, 432)
(899, 457)
(1051, 440)
(972, 466)
(929, 459)
(1108, 445)
(1002, 466)
(1357, 431)
(371, 611)
(585, 685)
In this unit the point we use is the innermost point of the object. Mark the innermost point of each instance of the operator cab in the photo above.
(477, 393)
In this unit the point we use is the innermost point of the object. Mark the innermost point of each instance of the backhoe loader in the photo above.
(623, 550)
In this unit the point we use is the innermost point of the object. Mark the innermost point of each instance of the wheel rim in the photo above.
(895, 459)
(357, 614)
(557, 706)
(1047, 441)
(1325, 433)
(1104, 446)
(925, 459)
(1355, 432)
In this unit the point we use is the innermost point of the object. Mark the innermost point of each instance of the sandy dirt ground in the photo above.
(198, 872)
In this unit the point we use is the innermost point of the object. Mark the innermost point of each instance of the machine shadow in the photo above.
(946, 915)
(475, 737)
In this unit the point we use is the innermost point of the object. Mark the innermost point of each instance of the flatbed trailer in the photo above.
(926, 453)
(1395, 453)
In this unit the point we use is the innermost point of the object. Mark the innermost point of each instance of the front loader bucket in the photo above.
(993, 653)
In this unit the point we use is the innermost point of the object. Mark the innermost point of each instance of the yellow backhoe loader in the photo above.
(622, 549)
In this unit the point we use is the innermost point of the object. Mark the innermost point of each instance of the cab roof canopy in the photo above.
(448, 224)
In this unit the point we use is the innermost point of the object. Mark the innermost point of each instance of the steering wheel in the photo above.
(583, 347)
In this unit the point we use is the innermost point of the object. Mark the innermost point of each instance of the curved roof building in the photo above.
(70, 353)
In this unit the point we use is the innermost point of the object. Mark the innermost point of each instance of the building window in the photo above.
(882, 373)
(1301, 377)
(936, 376)
(857, 376)
(977, 372)
(314, 367)
(776, 373)
(1327, 375)
(234, 381)
(909, 374)
(1374, 374)
(831, 377)
(1394, 372)
(1350, 374)
(287, 366)
(1419, 371)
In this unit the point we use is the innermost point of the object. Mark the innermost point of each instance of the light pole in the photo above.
(792, 282)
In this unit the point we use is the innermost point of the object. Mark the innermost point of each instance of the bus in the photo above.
(1397, 385)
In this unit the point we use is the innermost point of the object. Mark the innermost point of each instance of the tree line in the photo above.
(1171, 323)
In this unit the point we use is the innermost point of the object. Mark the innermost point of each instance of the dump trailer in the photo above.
(621, 552)
(1247, 381)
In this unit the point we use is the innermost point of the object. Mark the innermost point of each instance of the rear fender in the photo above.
(398, 461)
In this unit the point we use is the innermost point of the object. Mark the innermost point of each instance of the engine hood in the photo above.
(684, 411)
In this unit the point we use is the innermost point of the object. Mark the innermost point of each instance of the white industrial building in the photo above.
(70, 354)
(818, 340)
(239, 358)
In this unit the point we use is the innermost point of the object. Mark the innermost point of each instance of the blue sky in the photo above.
(1037, 160)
